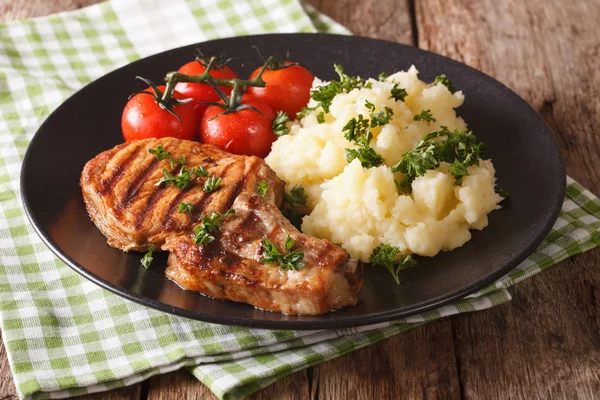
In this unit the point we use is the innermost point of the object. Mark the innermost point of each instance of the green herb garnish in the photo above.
(461, 149)
(209, 224)
(159, 152)
(180, 161)
(295, 205)
(185, 207)
(383, 76)
(287, 262)
(212, 183)
(502, 193)
(367, 156)
(148, 258)
(382, 118)
(199, 171)
(398, 93)
(321, 117)
(425, 116)
(280, 124)
(444, 80)
(181, 180)
(262, 188)
(389, 257)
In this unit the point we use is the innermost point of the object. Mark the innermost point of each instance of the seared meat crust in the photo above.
(121, 196)
(123, 199)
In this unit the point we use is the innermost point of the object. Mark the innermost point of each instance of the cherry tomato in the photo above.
(244, 131)
(287, 89)
(201, 91)
(144, 118)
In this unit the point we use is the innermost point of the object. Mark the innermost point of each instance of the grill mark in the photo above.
(205, 200)
(119, 171)
(238, 187)
(167, 221)
(135, 186)
(154, 197)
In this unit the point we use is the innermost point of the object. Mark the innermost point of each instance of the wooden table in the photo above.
(546, 342)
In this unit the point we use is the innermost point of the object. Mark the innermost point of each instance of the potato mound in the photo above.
(360, 208)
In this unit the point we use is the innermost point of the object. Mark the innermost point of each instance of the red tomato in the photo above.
(245, 131)
(287, 89)
(202, 91)
(144, 118)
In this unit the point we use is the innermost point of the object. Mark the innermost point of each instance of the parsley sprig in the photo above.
(425, 116)
(389, 257)
(185, 208)
(160, 152)
(208, 225)
(398, 93)
(290, 261)
(295, 205)
(280, 124)
(212, 183)
(323, 95)
(262, 188)
(358, 131)
(148, 258)
(444, 80)
(461, 149)
(182, 180)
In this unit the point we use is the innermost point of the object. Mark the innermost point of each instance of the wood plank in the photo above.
(20, 9)
(546, 344)
(387, 20)
(416, 364)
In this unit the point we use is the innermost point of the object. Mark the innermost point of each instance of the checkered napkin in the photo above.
(65, 336)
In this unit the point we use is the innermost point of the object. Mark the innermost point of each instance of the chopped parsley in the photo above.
(381, 118)
(323, 95)
(212, 183)
(502, 193)
(398, 93)
(208, 225)
(292, 260)
(148, 258)
(444, 80)
(182, 180)
(358, 131)
(460, 149)
(185, 207)
(262, 188)
(180, 161)
(383, 76)
(321, 117)
(425, 116)
(295, 205)
(280, 124)
(159, 152)
(199, 171)
(390, 258)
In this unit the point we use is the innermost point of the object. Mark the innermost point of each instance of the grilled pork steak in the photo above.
(123, 199)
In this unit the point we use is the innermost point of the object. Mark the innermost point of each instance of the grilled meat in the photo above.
(229, 268)
(123, 199)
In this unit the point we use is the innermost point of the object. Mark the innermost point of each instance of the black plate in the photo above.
(527, 160)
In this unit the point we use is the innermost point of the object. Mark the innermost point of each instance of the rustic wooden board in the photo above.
(546, 343)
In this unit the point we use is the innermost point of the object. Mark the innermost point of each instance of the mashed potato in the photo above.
(361, 208)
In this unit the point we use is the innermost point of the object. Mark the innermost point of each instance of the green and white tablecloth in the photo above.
(65, 336)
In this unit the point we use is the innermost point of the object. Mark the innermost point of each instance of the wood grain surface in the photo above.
(546, 342)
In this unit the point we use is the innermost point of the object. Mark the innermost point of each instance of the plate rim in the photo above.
(351, 321)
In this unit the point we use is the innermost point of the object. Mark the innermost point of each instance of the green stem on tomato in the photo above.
(174, 77)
